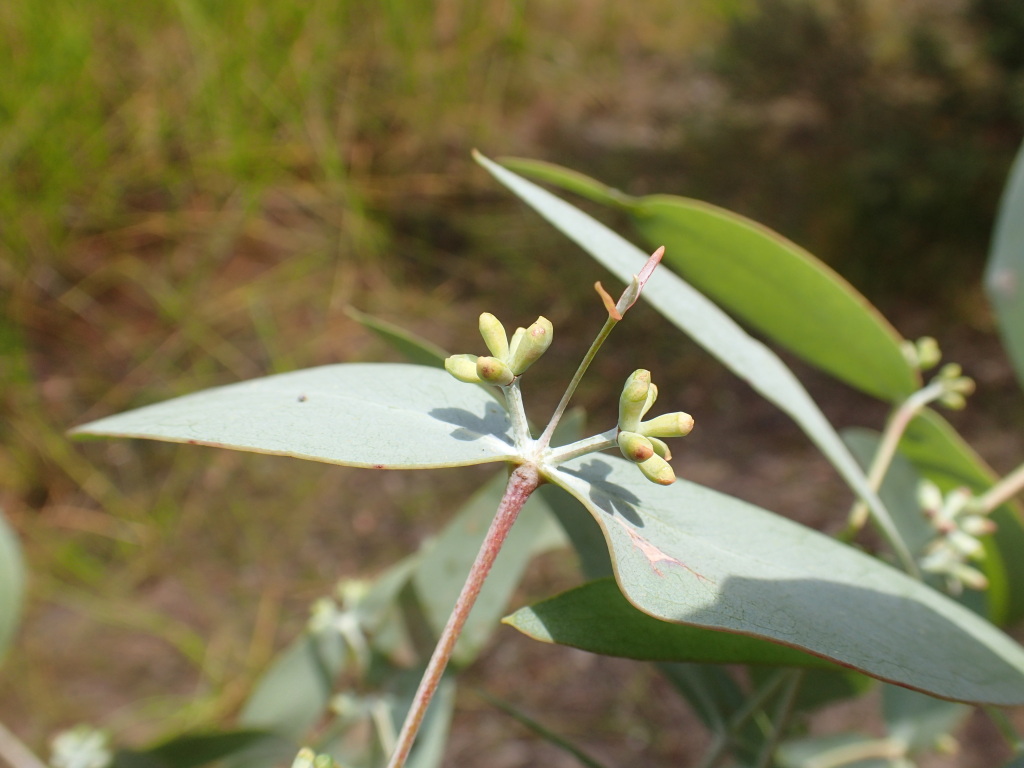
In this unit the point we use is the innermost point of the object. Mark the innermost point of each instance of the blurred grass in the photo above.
(192, 192)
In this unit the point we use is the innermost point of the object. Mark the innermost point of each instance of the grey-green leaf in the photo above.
(12, 584)
(1004, 275)
(596, 617)
(687, 554)
(706, 324)
(379, 415)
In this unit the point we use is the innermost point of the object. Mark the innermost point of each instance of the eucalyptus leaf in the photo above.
(706, 324)
(414, 348)
(596, 617)
(841, 749)
(192, 750)
(1004, 275)
(687, 554)
(764, 279)
(293, 694)
(917, 720)
(12, 584)
(378, 415)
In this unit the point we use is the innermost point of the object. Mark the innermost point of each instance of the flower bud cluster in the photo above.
(508, 359)
(640, 441)
(958, 525)
(956, 386)
(922, 354)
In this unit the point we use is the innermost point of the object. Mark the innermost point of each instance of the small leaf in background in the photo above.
(1004, 275)
(764, 279)
(688, 554)
(12, 585)
(415, 349)
(379, 415)
(293, 694)
(919, 721)
(195, 750)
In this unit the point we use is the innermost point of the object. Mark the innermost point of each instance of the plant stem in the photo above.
(1006, 729)
(521, 483)
(545, 439)
(750, 707)
(782, 715)
(16, 754)
(1003, 491)
(891, 436)
(517, 415)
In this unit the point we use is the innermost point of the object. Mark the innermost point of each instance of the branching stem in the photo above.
(891, 436)
(522, 482)
(1003, 491)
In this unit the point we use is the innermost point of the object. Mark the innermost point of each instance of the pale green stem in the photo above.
(750, 707)
(545, 439)
(883, 749)
(782, 715)
(15, 753)
(581, 447)
(522, 482)
(1003, 491)
(517, 415)
(891, 436)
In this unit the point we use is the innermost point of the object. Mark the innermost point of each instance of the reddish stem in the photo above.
(522, 482)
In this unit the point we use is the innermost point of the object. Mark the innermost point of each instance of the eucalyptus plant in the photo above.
(678, 573)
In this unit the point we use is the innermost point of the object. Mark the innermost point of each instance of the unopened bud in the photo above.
(928, 353)
(652, 396)
(635, 447)
(304, 759)
(660, 448)
(677, 424)
(494, 371)
(528, 346)
(463, 368)
(657, 470)
(493, 333)
(633, 399)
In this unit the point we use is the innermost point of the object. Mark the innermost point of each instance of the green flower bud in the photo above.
(494, 371)
(928, 353)
(660, 448)
(304, 759)
(657, 470)
(668, 425)
(528, 346)
(635, 447)
(633, 400)
(494, 336)
(652, 396)
(463, 368)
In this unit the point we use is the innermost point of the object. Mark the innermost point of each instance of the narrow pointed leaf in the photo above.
(596, 617)
(690, 555)
(379, 415)
(764, 279)
(414, 348)
(1004, 275)
(706, 324)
